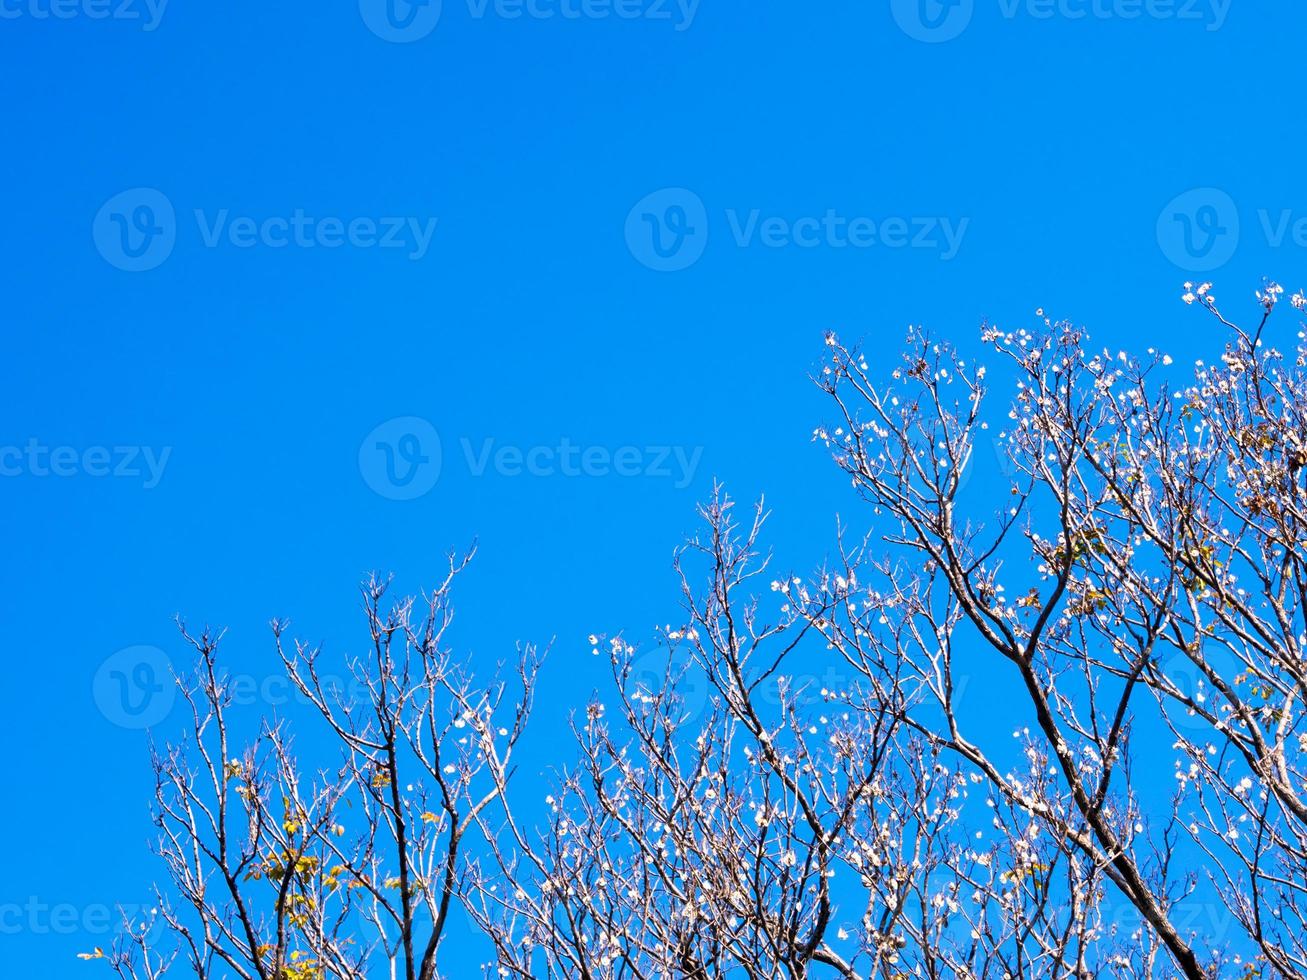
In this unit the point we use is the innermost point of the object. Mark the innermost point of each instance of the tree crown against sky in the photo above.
(1063, 737)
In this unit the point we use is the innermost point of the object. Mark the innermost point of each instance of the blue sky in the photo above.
(476, 200)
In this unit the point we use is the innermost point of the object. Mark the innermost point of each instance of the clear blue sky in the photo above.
(540, 312)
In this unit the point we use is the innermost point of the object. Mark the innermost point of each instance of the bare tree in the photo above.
(277, 873)
(1047, 723)
(1135, 606)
